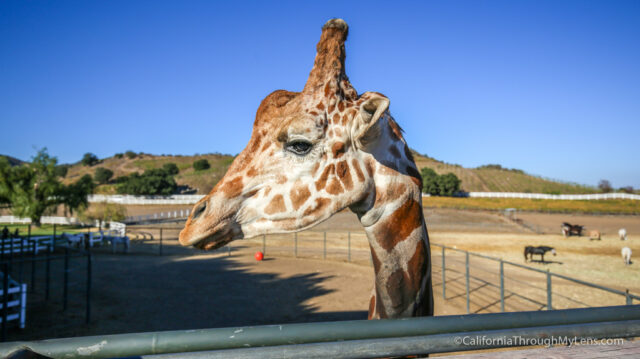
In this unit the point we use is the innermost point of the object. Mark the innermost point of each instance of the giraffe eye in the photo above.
(298, 147)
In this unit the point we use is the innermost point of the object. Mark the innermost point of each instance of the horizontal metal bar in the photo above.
(122, 345)
(439, 343)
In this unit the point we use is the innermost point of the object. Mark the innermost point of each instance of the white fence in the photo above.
(194, 198)
(43, 220)
(580, 197)
(128, 199)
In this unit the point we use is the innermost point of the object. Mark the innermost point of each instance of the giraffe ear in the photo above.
(366, 127)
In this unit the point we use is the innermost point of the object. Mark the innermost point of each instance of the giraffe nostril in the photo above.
(198, 210)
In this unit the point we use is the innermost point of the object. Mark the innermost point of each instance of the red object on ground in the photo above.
(259, 256)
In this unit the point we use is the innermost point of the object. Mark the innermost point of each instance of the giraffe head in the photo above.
(311, 154)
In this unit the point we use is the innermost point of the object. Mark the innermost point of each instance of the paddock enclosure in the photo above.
(324, 275)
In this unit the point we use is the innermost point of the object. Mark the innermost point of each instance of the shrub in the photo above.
(171, 168)
(130, 154)
(103, 212)
(102, 175)
(201, 165)
(151, 182)
(605, 186)
(89, 159)
(118, 155)
(61, 170)
(627, 189)
(439, 185)
(448, 184)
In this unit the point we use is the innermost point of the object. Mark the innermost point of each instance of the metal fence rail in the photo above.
(349, 339)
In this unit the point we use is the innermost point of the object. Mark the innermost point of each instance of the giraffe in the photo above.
(314, 153)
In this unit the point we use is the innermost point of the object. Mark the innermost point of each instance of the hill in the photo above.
(492, 178)
(488, 178)
(12, 160)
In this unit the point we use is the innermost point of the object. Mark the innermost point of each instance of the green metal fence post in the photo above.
(88, 294)
(629, 299)
(467, 275)
(444, 278)
(264, 244)
(549, 306)
(501, 285)
(295, 244)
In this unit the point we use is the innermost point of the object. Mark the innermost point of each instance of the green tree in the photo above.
(439, 185)
(448, 184)
(130, 154)
(61, 170)
(201, 164)
(171, 168)
(89, 159)
(74, 196)
(102, 175)
(430, 181)
(34, 188)
(6, 188)
(151, 182)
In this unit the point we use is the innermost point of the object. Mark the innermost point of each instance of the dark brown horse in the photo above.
(569, 229)
(529, 251)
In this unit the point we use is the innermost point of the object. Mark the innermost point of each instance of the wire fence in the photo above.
(41, 275)
(489, 284)
(479, 283)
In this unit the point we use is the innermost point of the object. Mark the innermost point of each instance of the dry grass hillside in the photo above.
(473, 179)
(201, 181)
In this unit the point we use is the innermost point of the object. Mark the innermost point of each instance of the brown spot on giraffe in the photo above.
(252, 172)
(322, 181)
(299, 195)
(395, 129)
(281, 179)
(313, 113)
(356, 167)
(276, 205)
(265, 146)
(331, 108)
(389, 193)
(342, 170)
(336, 118)
(338, 149)
(334, 187)
(327, 90)
(232, 188)
(319, 206)
(320, 106)
(403, 285)
(399, 225)
(341, 106)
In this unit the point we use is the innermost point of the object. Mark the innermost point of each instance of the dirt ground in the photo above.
(189, 289)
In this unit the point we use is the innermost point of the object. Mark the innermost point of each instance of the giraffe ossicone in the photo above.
(314, 153)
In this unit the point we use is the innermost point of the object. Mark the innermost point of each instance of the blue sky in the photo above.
(550, 87)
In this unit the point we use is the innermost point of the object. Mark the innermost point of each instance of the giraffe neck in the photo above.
(394, 223)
